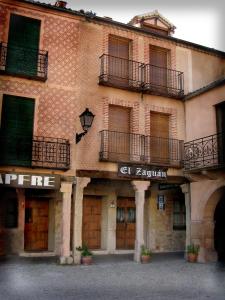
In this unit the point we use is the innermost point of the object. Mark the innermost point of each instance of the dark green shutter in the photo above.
(23, 45)
(16, 130)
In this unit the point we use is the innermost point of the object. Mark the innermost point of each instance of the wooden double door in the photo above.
(125, 223)
(92, 212)
(36, 224)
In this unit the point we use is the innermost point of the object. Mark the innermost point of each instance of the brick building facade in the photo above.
(134, 78)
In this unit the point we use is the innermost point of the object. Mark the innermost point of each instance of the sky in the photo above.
(197, 21)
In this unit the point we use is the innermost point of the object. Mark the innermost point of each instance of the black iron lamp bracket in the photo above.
(79, 136)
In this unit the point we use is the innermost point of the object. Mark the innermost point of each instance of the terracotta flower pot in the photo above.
(86, 260)
(192, 257)
(145, 259)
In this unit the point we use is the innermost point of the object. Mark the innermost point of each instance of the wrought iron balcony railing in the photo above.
(205, 153)
(137, 148)
(43, 152)
(163, 81)
(23, 62)
(120, 72)
(146, 78)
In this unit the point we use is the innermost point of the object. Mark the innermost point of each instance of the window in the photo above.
(23, 45)
(16, 130)
(179, 215)
(11, 213)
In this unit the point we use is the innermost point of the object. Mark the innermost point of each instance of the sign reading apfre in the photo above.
(37, 181)
(140, 171)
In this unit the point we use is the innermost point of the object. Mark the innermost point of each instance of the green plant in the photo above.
(84, 250)
(145, 251)
(192, 248)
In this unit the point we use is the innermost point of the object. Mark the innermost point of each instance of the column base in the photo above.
(77, 258)
(65, 260)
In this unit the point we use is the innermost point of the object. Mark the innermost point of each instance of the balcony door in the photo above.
(119, 133)
(119, 61)
(220, 116)
(23, 45)
(158, 67)
(16, 130)
(159, 138)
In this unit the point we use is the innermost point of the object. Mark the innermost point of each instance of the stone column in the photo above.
(186, 190)
(82, 182)
(66, 189)
(140, 187)
(21, 216)
(111, 229)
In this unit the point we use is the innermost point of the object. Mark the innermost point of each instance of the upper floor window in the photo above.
(16, 132)
(21, 56)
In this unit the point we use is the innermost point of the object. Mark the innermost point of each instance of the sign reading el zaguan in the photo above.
(139, 171)
(37, 181)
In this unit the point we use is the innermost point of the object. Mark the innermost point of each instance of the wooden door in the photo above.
(119, 133)
(16, 133)
(159, 138)
(36, 224)
(23, 45)
(125, 223)
(92, 212)
(158, 69)
(118, 61)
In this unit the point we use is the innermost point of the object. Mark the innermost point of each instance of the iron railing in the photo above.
(24, 62)
(43, 152)
(120, 72)
(137, 148)
(163, 81)
(140, 77)
(205, 153)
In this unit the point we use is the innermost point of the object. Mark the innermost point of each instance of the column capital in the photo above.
(82, 182)
(185, 188)
(66, 187)
(139, 185)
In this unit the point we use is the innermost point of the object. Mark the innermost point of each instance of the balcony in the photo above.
(163, 82)
(205, 153)
(122, 73)
(41, 152)
(139, 77)
(23, 62)
(136, 148)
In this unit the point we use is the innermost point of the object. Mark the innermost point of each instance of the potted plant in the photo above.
(86, 255)
(192, 252)
(145, 254)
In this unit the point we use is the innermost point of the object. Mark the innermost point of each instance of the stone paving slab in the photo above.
(167, 277)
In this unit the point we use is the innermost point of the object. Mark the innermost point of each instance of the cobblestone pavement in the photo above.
(111, 277)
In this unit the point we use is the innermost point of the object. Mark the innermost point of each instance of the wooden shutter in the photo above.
(159, 140)
(16, 130)
(158, 56)
(23, 45)
(119, 47)
(158, 69)
(119, 61)
(159, 125)
(119, 118)
(119, 129)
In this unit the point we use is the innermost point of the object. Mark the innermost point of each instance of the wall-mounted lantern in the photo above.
(86, 119)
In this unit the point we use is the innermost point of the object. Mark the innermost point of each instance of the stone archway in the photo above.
(208, 248)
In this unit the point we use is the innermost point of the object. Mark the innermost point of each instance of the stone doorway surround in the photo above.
(205, 196)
